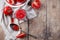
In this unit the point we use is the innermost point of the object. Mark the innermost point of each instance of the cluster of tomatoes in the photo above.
(13, 2)
(36, 4)
(20, 13)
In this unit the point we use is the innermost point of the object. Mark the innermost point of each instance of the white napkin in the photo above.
(1, 8)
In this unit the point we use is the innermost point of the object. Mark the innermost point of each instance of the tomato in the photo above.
(20, 14)
(7, 10)
(21, 35)
(21, 1)
(37, 0)
(36, 4)
(14, 27)
(12, 2)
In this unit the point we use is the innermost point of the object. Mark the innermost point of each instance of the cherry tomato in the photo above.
(14, 27)
(12, 2)
(22, 35)
(36, 4)
(20, 14)
(37, 0)
(21, 1)
(7, 10)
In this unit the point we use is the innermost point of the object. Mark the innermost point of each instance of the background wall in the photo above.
(47, 25)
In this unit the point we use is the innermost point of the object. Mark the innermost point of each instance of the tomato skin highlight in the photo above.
(36, 4)
(7, 10)
(20, 14)
(22, 35)
(12, 2)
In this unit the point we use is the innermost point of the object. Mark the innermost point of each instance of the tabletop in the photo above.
(46, 26)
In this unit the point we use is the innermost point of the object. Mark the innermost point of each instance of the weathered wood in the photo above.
(1, 34)
(53, 19)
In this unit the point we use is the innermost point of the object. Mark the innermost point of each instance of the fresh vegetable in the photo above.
(21, 1)
(22, 35)
(20, 14)
(36, 4)
(14, 27)
(7, 10)
(12, 2)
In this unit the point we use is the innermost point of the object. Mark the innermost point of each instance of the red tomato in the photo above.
(20, 14)
(37, 0)
(36, 4)
(12, 2)
(7, 10)
(22, 35)
(21, 1)
(15, 27)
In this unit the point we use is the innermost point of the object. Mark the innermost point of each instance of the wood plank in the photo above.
(53, 19)
(38, 25)
(1, 34)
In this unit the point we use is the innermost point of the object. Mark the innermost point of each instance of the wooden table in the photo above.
(47, 25)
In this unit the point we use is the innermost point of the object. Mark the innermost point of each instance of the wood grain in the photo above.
(53, 19)
(1, 34)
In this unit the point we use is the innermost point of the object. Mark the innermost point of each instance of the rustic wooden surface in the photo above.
(47, 25)
(53, 19)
